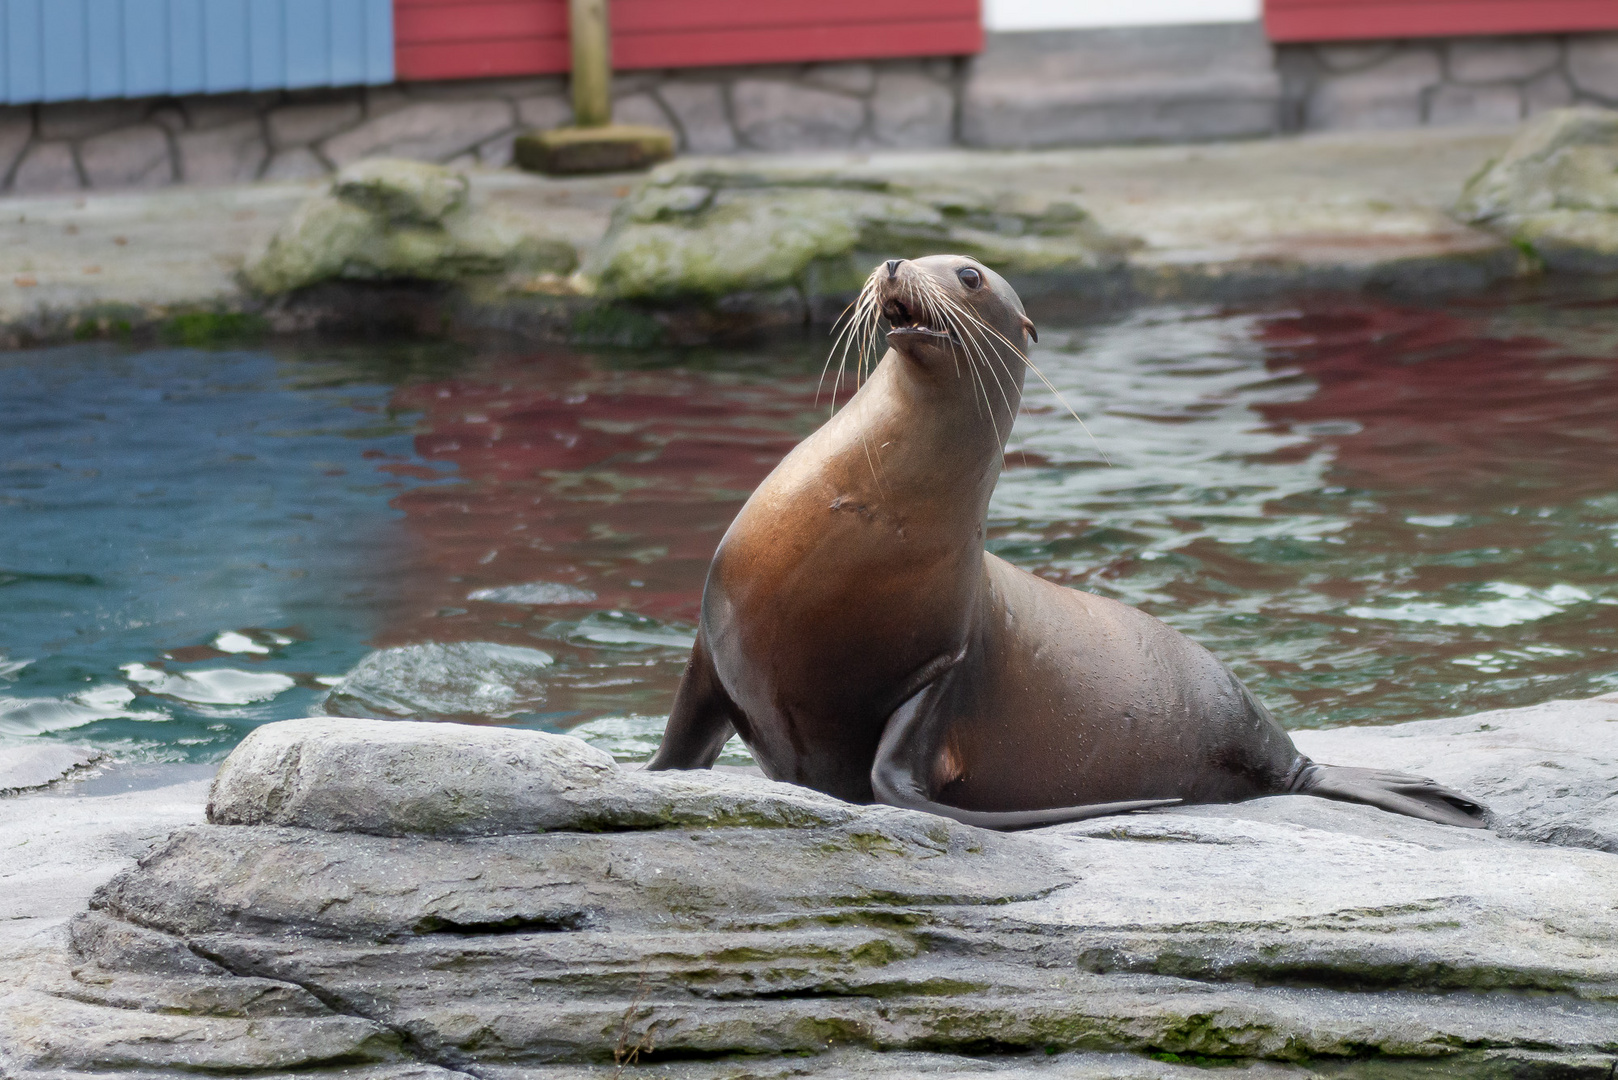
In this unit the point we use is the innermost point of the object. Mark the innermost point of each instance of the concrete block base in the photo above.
(572, 151)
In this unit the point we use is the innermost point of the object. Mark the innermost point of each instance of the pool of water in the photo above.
(1374, 512)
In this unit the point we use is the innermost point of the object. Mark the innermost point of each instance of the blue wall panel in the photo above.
(25, 51)
(106, 48)
(66, 41)
(225, 47)
(146, 47)
(61, 50)
(308, 38)
(185, 47)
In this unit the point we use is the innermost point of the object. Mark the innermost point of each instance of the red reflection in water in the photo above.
(1447, 409)
(617, 482)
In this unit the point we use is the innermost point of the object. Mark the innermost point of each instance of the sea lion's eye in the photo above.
(969, 277)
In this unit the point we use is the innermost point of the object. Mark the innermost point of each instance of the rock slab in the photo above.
(32, 765)
(716, 229)
(384, 219)
(1555, 190)
(389, 896)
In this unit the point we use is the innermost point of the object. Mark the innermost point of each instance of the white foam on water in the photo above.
(1516, 604)
(216, 686)
(38, 716)
(232, 641)
(535, 592)
(627, 628)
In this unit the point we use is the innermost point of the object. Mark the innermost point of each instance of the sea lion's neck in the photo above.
(931, 429)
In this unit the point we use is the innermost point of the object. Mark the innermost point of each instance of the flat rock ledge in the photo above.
(400, 900)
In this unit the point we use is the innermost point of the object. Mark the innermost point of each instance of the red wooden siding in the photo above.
(457, 39)
(1343, 20)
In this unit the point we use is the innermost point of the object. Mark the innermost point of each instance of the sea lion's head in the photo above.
(949, 307)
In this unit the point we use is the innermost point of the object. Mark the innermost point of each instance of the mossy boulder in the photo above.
(709, 232)
(1555, 190)
(383, 220)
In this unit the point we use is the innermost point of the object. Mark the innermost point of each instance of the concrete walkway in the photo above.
(1336, 210)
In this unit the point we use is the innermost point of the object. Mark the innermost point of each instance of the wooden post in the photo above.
(594, 143)
(592, 63)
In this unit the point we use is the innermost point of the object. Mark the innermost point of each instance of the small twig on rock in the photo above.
(624, 1054)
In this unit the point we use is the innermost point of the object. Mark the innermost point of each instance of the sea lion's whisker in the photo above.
(956, 313)
(1048, 385)
(859, 327)
(972, 343)
(856, 312)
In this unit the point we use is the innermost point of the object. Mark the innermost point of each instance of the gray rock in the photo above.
(1592, 61)
(1385, 95)
(1489, 60)
(699, 109)
(367, 887)
(1148, 84)
(44, 1032)
(207, 111)
(35, 764)
(1549, 91)
(1555, 190)
(230, 154)
(423, 131)
(137, 156)
(300, 163)
(1202, 931)
(1354, 56)
(854, 1064)
(912, 111)
(399, 220)
(46, 166)
(641, 108)
(710, 231)
(475, 679)
(1547, 773)
(299, 125)
(1452, 104)
(849, 78)
(544, 112)
(402, 193)
(78, 119)
(442, 780)
(775, 115)
(499, 151)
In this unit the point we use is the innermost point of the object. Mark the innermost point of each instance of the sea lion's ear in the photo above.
(1028, 325)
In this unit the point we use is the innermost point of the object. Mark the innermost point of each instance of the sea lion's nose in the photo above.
(893, 268)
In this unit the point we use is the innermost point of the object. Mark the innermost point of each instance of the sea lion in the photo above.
(857, 636)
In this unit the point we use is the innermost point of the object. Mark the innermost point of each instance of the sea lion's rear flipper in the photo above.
(1401, 793)
(702, 718)
(904, 763)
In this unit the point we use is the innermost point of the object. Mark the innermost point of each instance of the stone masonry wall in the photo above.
(297, 135)
(1403, 84)
(1027, 90)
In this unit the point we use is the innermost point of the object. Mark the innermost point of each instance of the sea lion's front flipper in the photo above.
(702, 719)
(1400, 793)
(911, 743)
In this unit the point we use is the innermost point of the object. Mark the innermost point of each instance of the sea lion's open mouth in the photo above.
(903, 319)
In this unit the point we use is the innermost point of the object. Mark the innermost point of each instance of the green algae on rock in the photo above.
(1555, 190)
(709, 231)
(389, 220)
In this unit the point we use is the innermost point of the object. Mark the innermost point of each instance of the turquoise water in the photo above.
(1374, 512)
